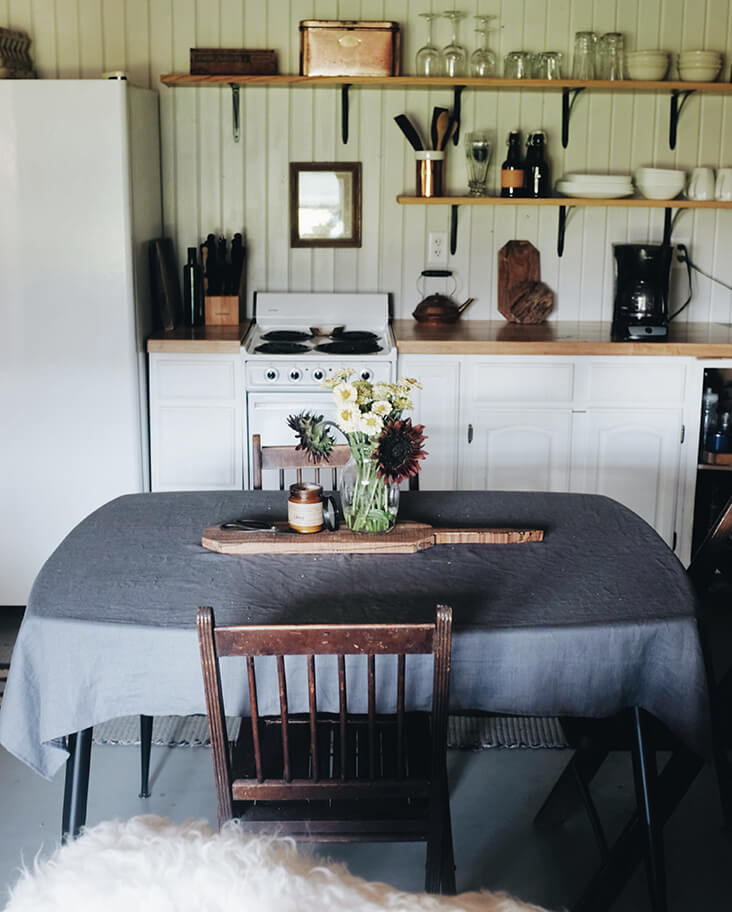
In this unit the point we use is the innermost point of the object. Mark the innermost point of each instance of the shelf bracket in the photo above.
(235, 110)
(456, 112)
(453, 229)
(669, 223)
(675, 111)
(569, 96)
(562, 227)
(344, 111)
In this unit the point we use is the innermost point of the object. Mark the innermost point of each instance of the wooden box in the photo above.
(221, 310)
(349, 48)
(233, 62)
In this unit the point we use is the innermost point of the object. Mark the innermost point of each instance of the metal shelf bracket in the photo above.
(453, 229)
(458, 91)
(675, 111)
(569, 96)
(669, 223)
(562, 227)
(235, 110)
(344, 111)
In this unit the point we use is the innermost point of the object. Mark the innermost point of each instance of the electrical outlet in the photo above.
(437, 251)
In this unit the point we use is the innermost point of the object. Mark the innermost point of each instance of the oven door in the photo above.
(267, 415)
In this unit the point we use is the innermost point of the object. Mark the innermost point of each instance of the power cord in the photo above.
(682, 256)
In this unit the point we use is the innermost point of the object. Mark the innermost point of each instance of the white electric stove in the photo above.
(297, 341)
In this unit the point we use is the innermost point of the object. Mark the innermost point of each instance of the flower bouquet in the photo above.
(385, 448)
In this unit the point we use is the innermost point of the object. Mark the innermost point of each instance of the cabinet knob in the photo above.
(470, 433)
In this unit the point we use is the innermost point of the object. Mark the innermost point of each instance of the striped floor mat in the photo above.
(463, 732)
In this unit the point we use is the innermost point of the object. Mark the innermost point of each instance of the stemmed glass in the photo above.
(454, 55)
(429, 58)
(483, 60)
(478, 150)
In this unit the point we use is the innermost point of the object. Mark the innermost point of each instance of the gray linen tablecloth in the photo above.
(597, 617)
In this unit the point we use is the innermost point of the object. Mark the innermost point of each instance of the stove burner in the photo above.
(354, 335)
(285, 335)
(347, 347)
(281, 348)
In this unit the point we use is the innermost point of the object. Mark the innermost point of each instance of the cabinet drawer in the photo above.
(659, 382)
(187, 379)
(520, 382)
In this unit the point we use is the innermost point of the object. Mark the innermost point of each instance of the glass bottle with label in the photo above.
(538, 175)
(512, 170)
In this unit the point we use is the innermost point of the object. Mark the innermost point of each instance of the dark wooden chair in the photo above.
(335, 777)
(284, 458)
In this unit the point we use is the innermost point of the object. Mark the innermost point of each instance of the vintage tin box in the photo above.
(350, 48)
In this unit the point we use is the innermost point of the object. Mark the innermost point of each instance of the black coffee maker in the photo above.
(641, 291)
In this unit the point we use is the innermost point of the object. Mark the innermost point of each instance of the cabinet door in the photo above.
(512, 449)
(633, 456)
(196, 422)
(436, 406)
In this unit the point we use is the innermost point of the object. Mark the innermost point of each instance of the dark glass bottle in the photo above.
(192, 290)
(512, 170)
(538, 174)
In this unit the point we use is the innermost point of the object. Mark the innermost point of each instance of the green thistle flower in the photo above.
(314, 436)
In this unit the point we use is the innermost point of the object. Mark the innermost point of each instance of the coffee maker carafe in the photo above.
(641, 291)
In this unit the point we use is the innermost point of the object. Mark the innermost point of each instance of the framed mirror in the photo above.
(325, 204)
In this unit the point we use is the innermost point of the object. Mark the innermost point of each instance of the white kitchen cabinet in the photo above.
(196, 422)
(606, 425)
(437, 407)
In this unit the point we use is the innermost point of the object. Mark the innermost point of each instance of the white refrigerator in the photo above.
(80, 198)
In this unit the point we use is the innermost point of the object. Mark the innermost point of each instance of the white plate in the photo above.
(616, 180)
(584, 192)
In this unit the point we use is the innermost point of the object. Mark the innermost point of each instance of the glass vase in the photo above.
(369, 503)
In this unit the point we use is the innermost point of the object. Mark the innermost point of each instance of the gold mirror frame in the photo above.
(325, 204)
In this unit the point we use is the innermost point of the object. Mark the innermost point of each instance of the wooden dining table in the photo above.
(596, 618)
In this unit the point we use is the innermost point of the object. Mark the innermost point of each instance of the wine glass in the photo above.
(483, 60)
(478, 151)
(454, 55)
(429, 58)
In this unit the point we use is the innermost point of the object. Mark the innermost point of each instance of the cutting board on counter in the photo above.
(405, 538)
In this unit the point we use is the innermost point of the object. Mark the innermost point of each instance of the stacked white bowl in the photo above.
(648, 65)
(659, 183)
(595, 186)
(699, 66)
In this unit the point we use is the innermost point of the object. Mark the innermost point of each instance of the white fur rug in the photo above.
(149, 864)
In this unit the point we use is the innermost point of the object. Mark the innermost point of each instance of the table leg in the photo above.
(76, 784)
(146, 725)
(646, 787)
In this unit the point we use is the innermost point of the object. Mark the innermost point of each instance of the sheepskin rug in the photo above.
(148, 863)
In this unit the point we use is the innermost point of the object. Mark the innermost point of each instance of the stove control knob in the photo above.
(295, 375)
(271, 374)
(366, 374)
(319, 374)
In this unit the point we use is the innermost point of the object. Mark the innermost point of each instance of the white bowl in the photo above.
(700, 55)
(699, 74)
(660, 174)
(650, 72)
(648, 53)
(659, 191)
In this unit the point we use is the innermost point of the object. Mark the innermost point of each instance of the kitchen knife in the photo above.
(408, 129)
(237, 263)
(212, 286)
(222, 266)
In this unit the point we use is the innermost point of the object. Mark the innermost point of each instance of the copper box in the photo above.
(333, 48)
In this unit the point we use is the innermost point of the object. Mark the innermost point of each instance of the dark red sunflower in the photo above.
(399, 449)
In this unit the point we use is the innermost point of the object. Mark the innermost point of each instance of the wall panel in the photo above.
(211, 183)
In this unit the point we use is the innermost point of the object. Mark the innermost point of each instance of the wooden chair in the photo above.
(337, 777)
(283, 458)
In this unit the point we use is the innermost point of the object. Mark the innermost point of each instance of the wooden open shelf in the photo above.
(626, 202)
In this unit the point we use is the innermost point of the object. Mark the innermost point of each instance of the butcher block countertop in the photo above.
(189, 340)
(498, 337)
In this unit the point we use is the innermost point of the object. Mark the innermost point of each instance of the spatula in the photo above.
(408, 129)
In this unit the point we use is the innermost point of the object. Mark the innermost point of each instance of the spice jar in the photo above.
(305, 507)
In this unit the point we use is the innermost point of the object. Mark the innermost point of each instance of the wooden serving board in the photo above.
(405, 538)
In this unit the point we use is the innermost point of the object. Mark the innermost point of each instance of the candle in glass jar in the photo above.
(305, 507)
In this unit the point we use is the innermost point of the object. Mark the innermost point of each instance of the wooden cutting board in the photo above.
(522, 296)
(405, 538)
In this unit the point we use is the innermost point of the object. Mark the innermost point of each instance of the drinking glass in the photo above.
(518, 65)
(583, 64)
(483, 60)
(548, 65)
(454, 55)
(611, 54)
(478, 151)
(429, 58)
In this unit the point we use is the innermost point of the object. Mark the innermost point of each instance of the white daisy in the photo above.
(349, 419)
(371, 424)
(345, 394)
(381, 408)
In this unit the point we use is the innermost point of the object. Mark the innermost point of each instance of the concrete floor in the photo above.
(494, 796)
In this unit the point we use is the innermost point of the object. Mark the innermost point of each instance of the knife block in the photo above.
(221, 310)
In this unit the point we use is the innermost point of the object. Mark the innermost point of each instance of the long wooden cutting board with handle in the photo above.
(405, 538)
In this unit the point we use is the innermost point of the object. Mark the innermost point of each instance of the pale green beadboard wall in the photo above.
(213, 184)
